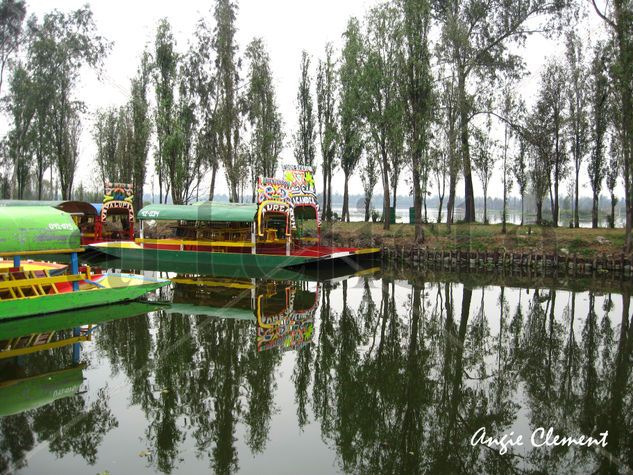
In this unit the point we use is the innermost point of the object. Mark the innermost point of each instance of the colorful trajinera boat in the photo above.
(40, 231)
(266, 235)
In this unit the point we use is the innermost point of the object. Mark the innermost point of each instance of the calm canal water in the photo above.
(366, 374)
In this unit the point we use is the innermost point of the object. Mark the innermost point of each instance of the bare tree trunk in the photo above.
(469, 192)
(329, 194)
(385, 190)
(594, 210)
(214, 171)
(450, 206)
(345, 211)
(576, 214)
(417, 205)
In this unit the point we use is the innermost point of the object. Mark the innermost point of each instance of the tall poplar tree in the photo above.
(417, 93)
(577, 105)
(305, 135)
(326, 87)
(60, 46)
(350, 107)
(266, 126)
(599, 99)
(141, 127)
(382, 97)
(227, 117)
(165, 72)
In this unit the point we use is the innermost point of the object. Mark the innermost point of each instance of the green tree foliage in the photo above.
(227, 113)
(577, 100)
(12, 14)
(552, 116)
(106, 134)
(22, 107)
(164, 75)
(326, 88)
(351, 127)
(599, 120)
(383, 105)
(619, 20)
(60, 45)
(141, 127)
(417, 93)
(475, 39)
(484, 161)
(266, 125)
(305, 135)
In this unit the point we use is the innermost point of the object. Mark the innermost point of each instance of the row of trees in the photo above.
(421, 90)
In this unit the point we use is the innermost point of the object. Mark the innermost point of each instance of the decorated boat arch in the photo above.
(118, 200)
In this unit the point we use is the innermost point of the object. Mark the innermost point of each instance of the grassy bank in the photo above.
(479, 237)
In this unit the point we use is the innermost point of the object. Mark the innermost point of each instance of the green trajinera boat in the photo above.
(29, 231)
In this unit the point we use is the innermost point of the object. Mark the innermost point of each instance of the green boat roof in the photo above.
(205, 211)
(73, 207)
(29, 229)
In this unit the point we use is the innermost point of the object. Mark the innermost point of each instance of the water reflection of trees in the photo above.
(197, 378)
(401, 387)
(398, 378)
(75, 424)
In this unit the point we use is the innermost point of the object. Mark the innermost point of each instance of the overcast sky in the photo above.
(287, 27)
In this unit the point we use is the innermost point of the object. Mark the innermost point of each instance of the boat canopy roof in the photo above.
(204, 211)
(36, 229)
(72, 207)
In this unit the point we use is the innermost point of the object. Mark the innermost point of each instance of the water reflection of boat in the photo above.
(20, 391)
(28, 335)
(24, 394)
(283, 310)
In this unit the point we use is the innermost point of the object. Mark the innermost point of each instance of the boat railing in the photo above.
(196, 243)
(26, 284)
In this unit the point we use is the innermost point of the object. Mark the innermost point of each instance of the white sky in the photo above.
(287, 27)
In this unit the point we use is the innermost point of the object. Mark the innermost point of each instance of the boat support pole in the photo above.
(76, 347)
(254, 238)
(16, 261)
(74, 268)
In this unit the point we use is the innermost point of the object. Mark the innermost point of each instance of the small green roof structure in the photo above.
(70, 206)
(36, 229)
(205, 211)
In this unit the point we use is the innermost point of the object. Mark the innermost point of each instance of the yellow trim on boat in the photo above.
(178, 242)
(21, 283)
(39, 253)
(369, 250)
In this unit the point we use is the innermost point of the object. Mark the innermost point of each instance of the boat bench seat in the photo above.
(33, 284)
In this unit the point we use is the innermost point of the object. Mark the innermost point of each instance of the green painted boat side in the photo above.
(73, 300)
(247, 262)
(30, 393)
(76, 318)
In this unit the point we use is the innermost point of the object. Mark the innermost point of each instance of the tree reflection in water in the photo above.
(397, 377)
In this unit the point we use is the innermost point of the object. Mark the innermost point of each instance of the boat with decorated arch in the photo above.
(281, 229)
